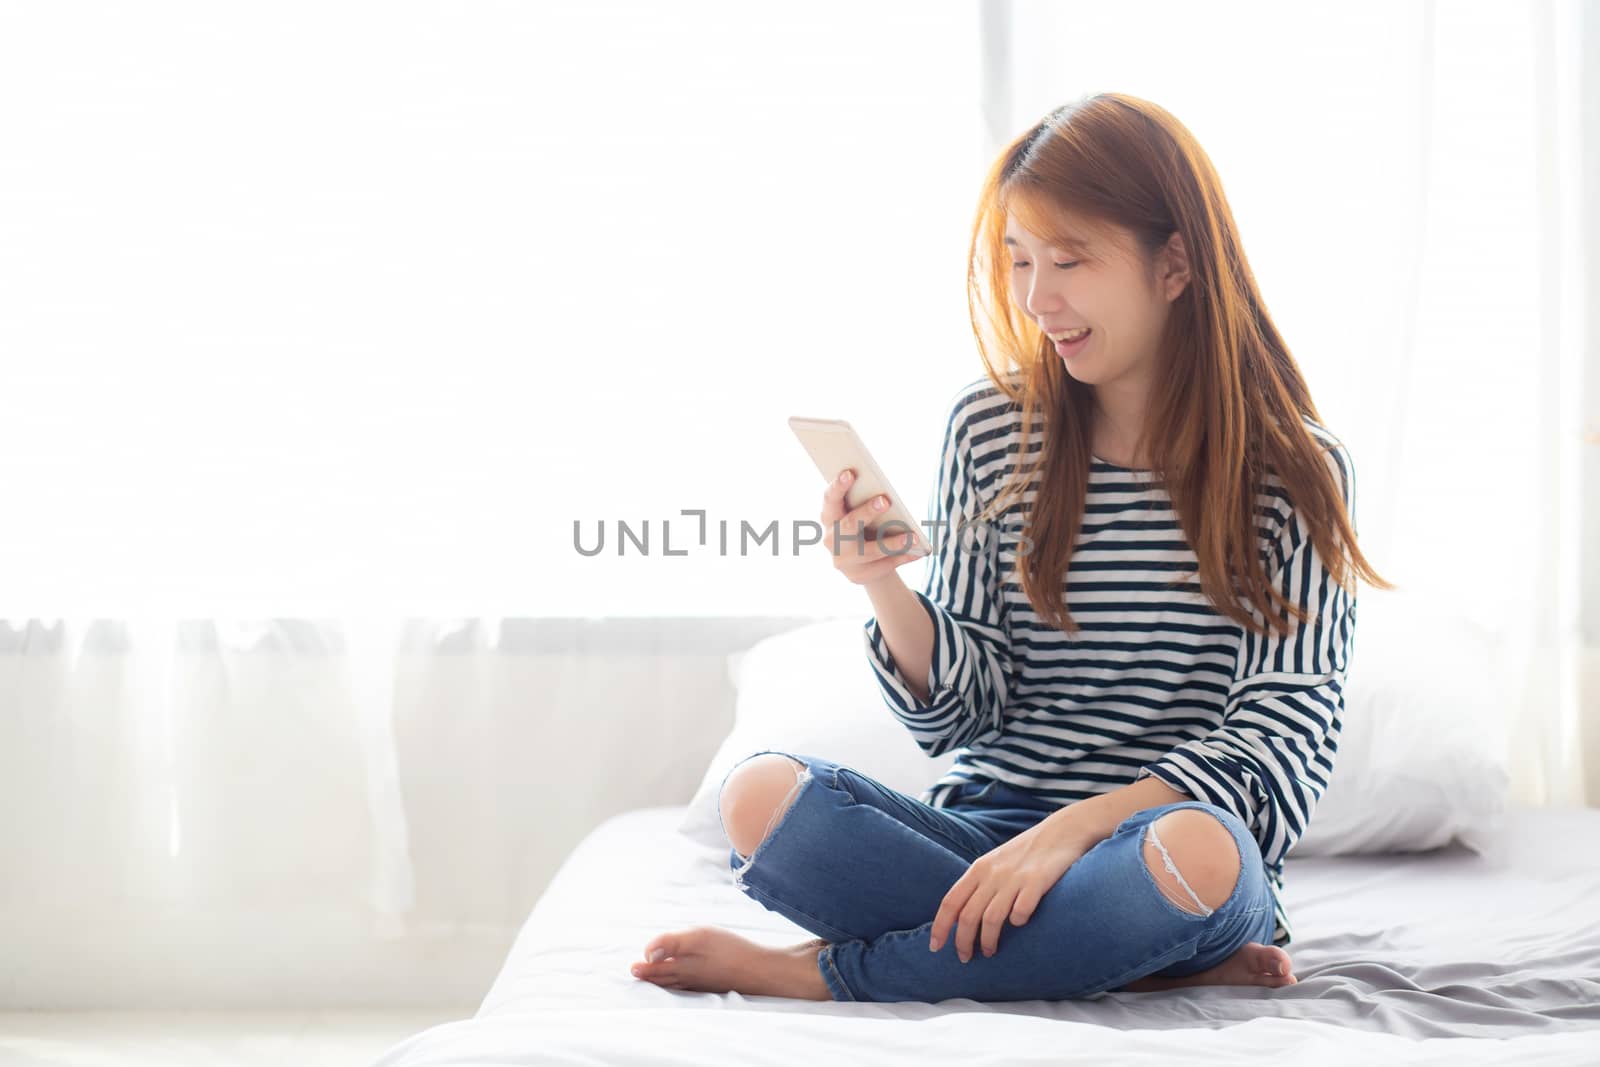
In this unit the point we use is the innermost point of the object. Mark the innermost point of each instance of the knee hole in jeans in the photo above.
(1193, 858)
(756, 794)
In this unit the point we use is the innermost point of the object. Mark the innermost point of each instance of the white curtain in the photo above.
(323, 326)
(1407, 179)
(345, 811)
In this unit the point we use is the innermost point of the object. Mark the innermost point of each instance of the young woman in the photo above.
(1135, 631)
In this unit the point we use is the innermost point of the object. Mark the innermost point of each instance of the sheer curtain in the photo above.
(330, 333)
(1408, 182)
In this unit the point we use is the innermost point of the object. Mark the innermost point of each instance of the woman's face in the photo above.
(1110, 288)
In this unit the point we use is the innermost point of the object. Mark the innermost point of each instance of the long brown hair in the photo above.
(1231, 401)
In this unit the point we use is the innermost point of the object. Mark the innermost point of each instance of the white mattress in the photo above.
(1442, 957)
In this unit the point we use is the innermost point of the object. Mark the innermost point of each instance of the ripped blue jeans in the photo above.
(866, 867)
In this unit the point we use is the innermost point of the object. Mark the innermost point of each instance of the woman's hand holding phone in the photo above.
(862, 556)
(872, 562)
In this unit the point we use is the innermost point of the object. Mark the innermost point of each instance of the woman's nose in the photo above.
(1044, 301)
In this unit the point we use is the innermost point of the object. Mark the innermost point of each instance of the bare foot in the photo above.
(709, 959)
(1254, 964)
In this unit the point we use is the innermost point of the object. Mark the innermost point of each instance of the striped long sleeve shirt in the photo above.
(1157, 682)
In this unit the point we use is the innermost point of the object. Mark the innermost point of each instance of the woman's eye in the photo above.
(1063, 266)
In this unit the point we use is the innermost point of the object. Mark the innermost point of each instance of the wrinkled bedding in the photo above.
(1447, 956)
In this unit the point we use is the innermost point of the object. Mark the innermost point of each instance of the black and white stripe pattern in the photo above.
(1158, 682)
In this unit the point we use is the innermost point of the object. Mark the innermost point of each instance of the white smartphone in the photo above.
(834, 446)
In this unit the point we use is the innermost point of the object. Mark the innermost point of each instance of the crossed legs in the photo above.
(1191, 857)
(1201, 874)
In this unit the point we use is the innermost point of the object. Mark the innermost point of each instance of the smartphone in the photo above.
(834, 446)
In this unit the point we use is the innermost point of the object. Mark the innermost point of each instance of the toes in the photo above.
(661, 948)
(1274, 961)
(642, 969)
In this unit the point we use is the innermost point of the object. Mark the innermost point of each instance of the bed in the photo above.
(1486, 956)
(1434, 921)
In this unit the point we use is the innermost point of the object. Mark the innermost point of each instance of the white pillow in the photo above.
(811, 691)
(1421, 757)
(1419, 760)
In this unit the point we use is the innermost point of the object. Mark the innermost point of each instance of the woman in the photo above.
(1131, 505)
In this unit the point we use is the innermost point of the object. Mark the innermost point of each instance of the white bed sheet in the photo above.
(1441, 957)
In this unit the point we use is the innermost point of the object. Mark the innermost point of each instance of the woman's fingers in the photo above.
(949, 907)
(849, 521)
(975, 907)
(950, 914)
(994, 920)
(897, 545)
(853, 538)
(1023, 907)
(833, 497)
(968, 925)
(867, 513)
(862, 554)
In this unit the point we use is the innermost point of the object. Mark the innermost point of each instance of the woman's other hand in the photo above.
(1006, 883)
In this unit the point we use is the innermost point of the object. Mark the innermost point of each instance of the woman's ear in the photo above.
(1175, 258)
